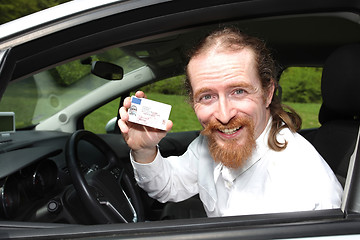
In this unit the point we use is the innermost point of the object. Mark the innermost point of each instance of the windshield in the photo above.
(42, 95)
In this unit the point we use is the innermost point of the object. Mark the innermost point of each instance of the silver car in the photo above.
(64, 71)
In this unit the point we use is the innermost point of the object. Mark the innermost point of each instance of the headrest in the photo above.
(340, 83)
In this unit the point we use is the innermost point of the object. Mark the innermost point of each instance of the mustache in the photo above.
(238, 122)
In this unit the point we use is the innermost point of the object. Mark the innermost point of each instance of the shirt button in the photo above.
(228, 185)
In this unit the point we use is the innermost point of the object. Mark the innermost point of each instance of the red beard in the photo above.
(231, 153)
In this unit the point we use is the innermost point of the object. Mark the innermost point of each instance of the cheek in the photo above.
(203, 114)
(254, 109)
(260, 120)
(248, 107)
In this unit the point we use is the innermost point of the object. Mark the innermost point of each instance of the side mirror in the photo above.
(107, 70)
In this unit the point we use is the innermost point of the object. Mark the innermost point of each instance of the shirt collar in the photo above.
(230, 174)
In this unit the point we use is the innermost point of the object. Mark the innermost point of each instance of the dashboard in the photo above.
(35, 183)
(21, 189)
(34, 177)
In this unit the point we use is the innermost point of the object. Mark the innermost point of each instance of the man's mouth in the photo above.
(230, 131)
(235, 129)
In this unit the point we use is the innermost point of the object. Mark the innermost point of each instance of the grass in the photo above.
(308, 112)
(183, 115)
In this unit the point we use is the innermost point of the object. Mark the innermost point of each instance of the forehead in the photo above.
(215, 65)
(218, 50)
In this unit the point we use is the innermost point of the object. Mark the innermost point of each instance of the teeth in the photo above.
(230, 131)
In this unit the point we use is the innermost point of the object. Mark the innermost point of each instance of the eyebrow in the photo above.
(201, 91)
(243, 85)
(235, 85)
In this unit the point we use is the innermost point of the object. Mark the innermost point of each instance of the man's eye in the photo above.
(207, 97)
(239, 91)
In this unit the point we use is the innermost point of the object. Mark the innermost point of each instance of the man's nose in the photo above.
(225, 111)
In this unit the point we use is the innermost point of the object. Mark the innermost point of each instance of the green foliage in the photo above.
(20, 97)
(174, 85)
(301, 84)
(69, 73)
(309, 113)
(182, 114)
(13, 9)
(110, 56)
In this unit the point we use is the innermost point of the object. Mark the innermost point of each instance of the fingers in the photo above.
(124, 116)
(140, 94)
(123, 126)
(169, 125)
(127, 102)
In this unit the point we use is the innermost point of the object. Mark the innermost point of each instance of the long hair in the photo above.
(232, 39)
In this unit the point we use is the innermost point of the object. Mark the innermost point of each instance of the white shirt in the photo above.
(295, 179)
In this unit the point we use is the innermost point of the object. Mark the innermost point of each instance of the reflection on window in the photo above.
(44, 94)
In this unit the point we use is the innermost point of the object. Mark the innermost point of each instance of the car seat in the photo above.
(340, 111)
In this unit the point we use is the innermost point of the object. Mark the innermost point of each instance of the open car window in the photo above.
(170, 91)
(300, 88)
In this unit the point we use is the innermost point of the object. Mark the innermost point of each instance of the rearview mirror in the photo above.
(107, 70)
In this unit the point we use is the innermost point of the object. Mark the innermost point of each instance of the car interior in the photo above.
(339, 117)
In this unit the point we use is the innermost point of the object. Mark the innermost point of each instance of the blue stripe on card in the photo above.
(136, 100)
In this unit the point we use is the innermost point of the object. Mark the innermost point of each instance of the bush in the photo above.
(301, 84)
(173, 86)
(11, 9)
(70, 73)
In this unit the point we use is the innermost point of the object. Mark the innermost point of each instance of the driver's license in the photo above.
(149, 113)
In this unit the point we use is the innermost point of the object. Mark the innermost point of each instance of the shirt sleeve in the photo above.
(168, 179)
(145, 172)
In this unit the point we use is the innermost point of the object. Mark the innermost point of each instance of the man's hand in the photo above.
(141, 139)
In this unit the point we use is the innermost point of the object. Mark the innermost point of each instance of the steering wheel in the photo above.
(100, 190)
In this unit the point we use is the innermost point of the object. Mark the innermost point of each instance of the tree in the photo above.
(13, 9)
(301, 84)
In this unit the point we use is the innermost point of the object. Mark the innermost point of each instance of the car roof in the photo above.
(298, 32)
(57, 18)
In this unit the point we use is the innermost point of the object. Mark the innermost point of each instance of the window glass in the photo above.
(97, 120)
(301, 90)
(169, 91)
(47, 93)
(172, 91)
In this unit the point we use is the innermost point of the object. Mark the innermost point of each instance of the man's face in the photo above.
(228, 99)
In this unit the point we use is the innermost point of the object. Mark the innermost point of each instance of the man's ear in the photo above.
(270, 93)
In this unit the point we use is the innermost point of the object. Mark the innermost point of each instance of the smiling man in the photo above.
(229, 102)
(248, 159)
